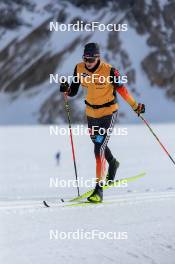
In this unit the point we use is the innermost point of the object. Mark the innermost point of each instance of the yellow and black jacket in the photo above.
(101, 88)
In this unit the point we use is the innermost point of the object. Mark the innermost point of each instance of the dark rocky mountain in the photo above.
(29, 52)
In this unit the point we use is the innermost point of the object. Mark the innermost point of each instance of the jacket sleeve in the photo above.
(73, 89)
(122, 90)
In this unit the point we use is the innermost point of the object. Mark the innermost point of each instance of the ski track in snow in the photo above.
(147, 218)
(117, 200)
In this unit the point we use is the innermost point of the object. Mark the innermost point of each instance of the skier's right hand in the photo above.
(64, 87)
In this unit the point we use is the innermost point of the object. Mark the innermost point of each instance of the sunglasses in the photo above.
(89, 59)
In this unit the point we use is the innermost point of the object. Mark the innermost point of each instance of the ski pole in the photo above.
(146, 123)
(71, 139)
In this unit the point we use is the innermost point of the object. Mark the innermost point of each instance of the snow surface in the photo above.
(145, 209)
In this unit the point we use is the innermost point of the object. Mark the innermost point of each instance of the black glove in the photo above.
(64, 87)
(140, 109)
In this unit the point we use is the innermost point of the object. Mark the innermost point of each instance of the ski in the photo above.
(46, 204)
(85, 195)
(105, 187)
(87, 203)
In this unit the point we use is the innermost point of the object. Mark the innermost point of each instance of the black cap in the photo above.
(91, 50)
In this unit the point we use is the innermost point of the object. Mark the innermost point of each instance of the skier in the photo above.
(57, 156)
(101, 109)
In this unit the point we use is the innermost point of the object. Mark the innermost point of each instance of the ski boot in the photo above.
(113, 166)
(97, 195)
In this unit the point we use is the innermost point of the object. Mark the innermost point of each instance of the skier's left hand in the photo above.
(140, 109)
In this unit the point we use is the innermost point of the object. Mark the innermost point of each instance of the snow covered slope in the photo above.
(30, 52)
(144, 210)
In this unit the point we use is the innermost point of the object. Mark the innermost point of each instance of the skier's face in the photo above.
(90, 63)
